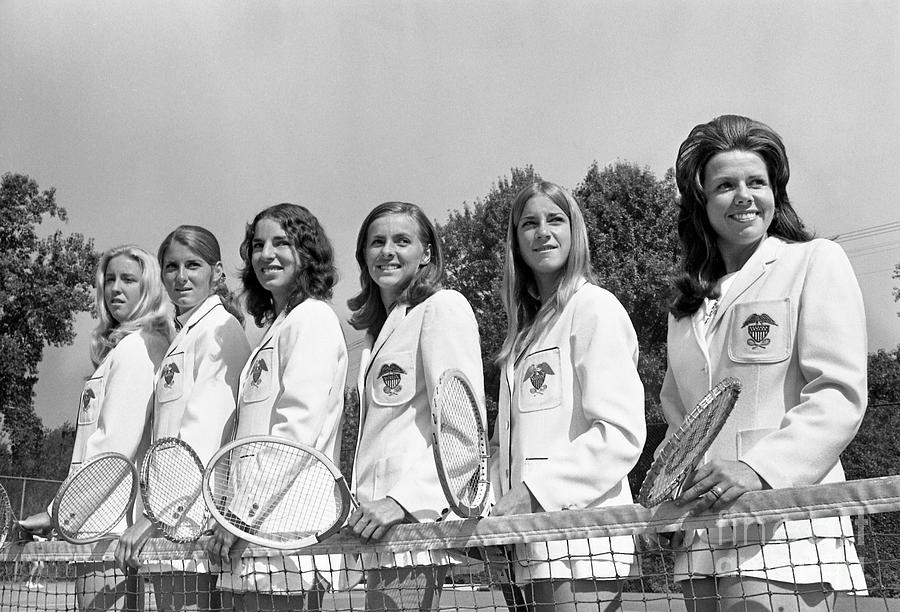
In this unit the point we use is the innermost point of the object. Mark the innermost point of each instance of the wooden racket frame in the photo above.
(660, 464)
(7, 517)
(349, 503)
(459, 508)
(73, 477)
(163, 526)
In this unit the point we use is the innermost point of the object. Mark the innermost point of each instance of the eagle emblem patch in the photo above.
(390, 375)
(256, 372)
(537, 374)
(86, 398)
(758, 326)
(169, 372)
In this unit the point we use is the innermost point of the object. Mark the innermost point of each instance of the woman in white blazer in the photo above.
(414, 332)
(292, 387)
(113, 408)
(195, 390)
(760, 301)
(571, 415)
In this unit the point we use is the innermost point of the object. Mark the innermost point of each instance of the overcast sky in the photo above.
(147, 115)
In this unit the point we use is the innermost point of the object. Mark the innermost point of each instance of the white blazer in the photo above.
(196, 386)
(804, 378)
(116, 400)
(571, 427)
(292, 387)
(397, 378)
(791, 327)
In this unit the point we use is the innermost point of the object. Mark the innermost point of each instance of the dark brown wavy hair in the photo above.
(316, 275)
(702, 263)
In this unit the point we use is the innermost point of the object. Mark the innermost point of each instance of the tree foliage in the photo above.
(44, 282)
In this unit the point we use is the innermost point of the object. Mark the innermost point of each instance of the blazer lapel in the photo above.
(750, 274)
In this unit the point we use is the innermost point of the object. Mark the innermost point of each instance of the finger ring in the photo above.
(717, 491)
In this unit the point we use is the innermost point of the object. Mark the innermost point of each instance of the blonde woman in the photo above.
(127, 347)
(571, 412)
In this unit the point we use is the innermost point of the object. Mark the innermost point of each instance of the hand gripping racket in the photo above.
(685, 449)
(172, 490)
(275, 492)
(460, 444)
(92, 501)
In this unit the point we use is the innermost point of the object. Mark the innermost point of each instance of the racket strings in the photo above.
(687, 447)
(278, 492)
(7, 517)
(95, 499)
(172, 492)
(460, 439)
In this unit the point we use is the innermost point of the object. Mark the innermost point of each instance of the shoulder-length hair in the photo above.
(702, 263)
(152, 313)
(369, 312)
(316, 273)
(203, 243)
(526, 316)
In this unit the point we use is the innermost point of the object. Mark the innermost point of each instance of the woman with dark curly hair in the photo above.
(292, 386)
(762, 301)
(415, 331)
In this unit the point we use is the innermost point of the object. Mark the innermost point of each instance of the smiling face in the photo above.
(544, 237)
(122, 287)
(740, 203)
(188, 278)
(394, 253)
(275, 261)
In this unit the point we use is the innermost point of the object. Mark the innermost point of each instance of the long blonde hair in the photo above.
(526, 315)
(153, 312)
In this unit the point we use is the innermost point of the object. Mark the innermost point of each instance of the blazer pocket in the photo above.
(89, 404)
(393, 380)
(748, 438)
(259, 378)
(169, 385)
(539, 381)
(761, 332)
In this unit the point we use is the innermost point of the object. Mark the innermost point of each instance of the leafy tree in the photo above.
(875, 451)
(473, 241)
(44, 282)
(631, 219)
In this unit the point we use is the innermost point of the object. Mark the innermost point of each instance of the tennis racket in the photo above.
(685, 449)
(275, 492)
(460, 444)
(92, 501)
(7, 517)
(172, 490)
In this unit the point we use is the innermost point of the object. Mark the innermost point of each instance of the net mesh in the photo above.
(841, 536)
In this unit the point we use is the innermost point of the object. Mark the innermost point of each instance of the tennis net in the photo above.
(842, 535)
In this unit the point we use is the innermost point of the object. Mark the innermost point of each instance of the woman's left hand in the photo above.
(372, 519)
(718, 483)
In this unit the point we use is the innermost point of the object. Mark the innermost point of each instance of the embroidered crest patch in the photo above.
(256, 373)
(758, 326)
(537, 374)
(169, 372)
(390, 374)
(86, 398)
